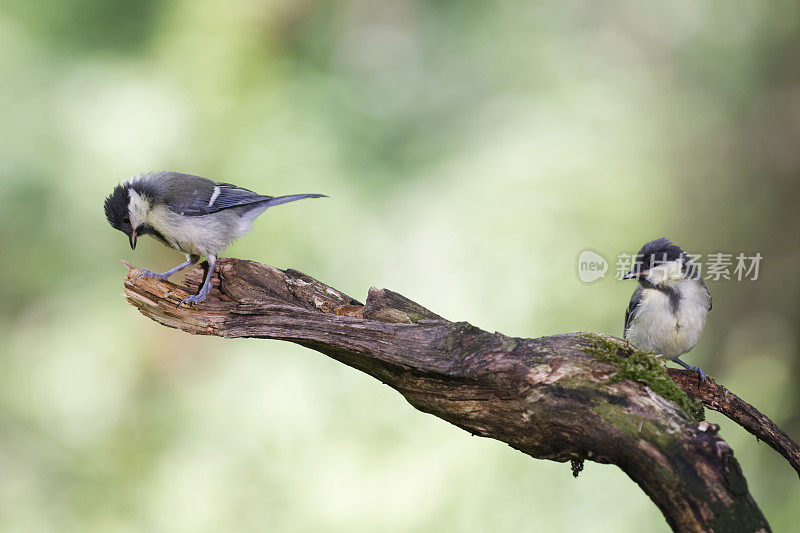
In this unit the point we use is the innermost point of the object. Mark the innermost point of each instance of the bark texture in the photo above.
(572, 397)
(720, 399)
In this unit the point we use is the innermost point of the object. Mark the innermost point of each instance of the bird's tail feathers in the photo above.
(278, 200)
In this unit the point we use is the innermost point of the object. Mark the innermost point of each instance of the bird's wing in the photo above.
(632, 309)
(708, 293)
(196, 196)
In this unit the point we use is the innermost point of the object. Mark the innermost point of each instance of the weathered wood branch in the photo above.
(563, 398)
(720, 399)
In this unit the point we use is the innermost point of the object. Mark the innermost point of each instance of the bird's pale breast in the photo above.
(668, 329)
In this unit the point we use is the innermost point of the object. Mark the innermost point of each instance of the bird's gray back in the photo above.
(197, 196)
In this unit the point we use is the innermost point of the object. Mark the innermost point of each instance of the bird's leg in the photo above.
(695, 368)
(190, 260)
(206, 288)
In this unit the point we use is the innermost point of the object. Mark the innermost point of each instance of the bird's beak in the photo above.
(634, 274)
(132, 239)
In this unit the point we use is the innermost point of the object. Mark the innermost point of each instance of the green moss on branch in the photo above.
(638, 366)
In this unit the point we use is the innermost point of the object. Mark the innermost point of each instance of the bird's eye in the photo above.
(126, 220)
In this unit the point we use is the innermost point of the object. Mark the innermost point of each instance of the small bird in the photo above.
(668, 309)
(194, 215)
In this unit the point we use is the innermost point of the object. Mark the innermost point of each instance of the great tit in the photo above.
(194, 215)
(668, 309)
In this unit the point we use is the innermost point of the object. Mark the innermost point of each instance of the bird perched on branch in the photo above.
(194, 215)
(668, 309)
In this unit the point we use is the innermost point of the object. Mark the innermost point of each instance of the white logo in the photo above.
(591, 266)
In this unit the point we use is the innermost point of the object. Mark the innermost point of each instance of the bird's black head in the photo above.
(658, 253)
(117, 213)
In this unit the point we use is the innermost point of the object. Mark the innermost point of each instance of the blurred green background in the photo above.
(471, 151)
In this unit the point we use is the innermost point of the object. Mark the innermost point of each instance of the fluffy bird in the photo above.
(194, 215)
(668, 309)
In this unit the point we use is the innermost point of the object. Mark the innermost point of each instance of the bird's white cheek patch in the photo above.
(656, 275)
(137, 208)
(667, 271)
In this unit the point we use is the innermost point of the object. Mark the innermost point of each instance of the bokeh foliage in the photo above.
(471, 151)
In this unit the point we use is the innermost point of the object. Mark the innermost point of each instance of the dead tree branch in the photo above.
(720, 399)
(559, 398)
